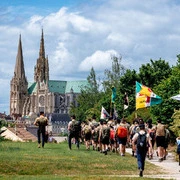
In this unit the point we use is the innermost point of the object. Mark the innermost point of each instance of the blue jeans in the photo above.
(141, 156)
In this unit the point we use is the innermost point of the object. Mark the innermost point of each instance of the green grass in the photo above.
(26, 161)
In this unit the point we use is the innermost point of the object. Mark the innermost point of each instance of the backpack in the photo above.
(105, 132)
(134, 131)
(95, 134)
(87, 130)
(75, 127)
(142, 142)
(122, 132)
(42, 121)
(112, 134)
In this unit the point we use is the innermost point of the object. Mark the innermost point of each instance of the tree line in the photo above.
(163, 79)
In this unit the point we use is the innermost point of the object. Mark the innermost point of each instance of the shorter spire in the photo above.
(42, 51)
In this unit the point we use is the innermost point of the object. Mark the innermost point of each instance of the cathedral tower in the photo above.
(41, 70)
(19, 84)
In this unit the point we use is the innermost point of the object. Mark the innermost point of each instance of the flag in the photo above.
(104, 113)
(113, 96)
(126, 101)
(177, 97)
(145, 97)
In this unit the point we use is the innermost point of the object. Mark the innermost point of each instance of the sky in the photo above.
(81, 34)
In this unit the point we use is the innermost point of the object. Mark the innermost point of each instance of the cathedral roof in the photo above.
(62, 87)
(57, 86)
(66, 86)
(76, 86)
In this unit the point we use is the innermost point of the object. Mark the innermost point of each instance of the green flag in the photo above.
(113, 96)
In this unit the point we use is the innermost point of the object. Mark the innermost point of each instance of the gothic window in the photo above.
(61, 99)
(41, 100)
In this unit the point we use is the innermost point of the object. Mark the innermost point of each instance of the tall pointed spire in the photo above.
(42, 51)
(19, 67)
(41, 70)
(19, 84)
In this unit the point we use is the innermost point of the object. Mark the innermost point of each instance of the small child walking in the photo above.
(178, 147)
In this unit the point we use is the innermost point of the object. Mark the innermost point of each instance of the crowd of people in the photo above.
(116, 135)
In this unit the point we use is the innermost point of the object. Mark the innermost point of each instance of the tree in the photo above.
(152, 73)
(166, 89)
(112, 76)
(175, 125)
(127, 84)
(111, 79)
(88, 99)
(93, 81)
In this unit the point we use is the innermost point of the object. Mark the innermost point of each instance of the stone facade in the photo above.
(50, 96)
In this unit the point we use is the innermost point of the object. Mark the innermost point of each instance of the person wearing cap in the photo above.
(141, 153)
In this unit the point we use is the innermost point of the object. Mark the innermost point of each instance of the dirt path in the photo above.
(170, 166)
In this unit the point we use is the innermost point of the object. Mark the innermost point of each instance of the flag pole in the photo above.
(123, 111)
(110, 109)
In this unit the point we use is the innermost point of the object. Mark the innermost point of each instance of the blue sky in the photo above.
(81, 34)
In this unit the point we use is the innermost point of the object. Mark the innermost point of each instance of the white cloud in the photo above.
(100, 61)
(62, 60)
(76, 40)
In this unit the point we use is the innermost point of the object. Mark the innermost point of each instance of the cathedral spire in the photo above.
(19, 67)
(41, 70)
(42, 51)
(19, 84)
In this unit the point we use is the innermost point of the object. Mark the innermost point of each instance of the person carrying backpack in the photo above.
(95, 136)
(122, 136)
(133, 129)
(74, 128)
(112, 139)
(105, 132)
(87, 134)
(41, 122)
(160, 140)
(142, 140)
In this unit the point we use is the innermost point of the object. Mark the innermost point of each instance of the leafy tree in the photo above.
(166, 89)
(112, 78)
(175, 125)
(152, 73)
(127, 84)
(94, 86)
(88, 99)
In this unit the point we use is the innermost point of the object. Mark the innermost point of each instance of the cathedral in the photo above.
(50, 96)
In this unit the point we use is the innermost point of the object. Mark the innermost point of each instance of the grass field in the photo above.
(25, 161)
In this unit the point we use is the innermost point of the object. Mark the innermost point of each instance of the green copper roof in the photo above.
(57, 86)
(76, 86)
(31, 87)
(60, 86)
